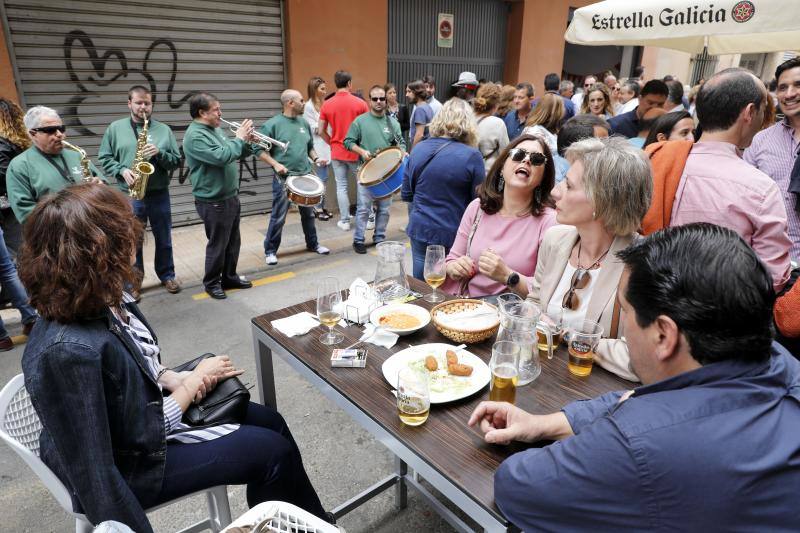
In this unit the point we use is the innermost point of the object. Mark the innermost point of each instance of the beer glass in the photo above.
(329, 298)
(584, 336)
(434, 271)
(505, 371)
(413, 396)
(550, 322)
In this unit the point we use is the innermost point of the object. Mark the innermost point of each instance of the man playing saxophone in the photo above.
(124, 145)
(46, 167)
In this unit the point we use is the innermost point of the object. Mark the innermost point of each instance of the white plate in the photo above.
(416, 311)
(465, 386)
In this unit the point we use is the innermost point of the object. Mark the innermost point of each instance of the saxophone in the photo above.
(85, 170)
(141, 168)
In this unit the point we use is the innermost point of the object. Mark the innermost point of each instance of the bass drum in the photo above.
(383, 174)
(306, 189)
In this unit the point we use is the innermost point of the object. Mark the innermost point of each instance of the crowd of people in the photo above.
(672, 222)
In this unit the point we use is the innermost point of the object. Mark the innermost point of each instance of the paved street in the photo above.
(341, 458)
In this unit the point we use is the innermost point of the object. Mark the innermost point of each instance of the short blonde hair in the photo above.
(456, 120)
(618, 181)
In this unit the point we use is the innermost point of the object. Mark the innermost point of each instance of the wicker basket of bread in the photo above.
(466, 321)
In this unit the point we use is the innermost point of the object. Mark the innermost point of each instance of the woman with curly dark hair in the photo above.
(111, 412)
(497, 243)
(13, 141)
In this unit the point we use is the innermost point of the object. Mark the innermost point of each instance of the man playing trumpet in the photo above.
(211, 158)
(290, 128)
(45, 167)
(117, 154)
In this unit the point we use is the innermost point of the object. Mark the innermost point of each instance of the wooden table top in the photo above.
(444, 441)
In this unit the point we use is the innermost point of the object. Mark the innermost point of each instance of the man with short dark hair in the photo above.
(579, 127)
(515, 120)
(774, 150)
(552, 84)
(708, 442)
(117, 153)
(654, 94)
(339, 112)
(674, 103)
(715, 184)
(213, 172)
(430, 87)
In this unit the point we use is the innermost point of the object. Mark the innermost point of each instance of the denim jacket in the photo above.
(102, 417)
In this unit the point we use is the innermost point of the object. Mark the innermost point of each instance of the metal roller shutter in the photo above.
(80, 58)
(479, 41)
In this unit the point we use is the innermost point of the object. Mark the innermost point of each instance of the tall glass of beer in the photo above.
(584, 336)
(413, 397)
(505, 371)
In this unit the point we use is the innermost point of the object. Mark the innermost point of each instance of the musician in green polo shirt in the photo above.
(116, 155)
(368, 134)
(212, 160)
(46, 167)
(290, 128)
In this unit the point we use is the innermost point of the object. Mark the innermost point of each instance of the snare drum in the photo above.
(306, 189)
(383, 174)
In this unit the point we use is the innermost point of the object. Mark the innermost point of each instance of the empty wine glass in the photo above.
(434, 271)
(329, 298)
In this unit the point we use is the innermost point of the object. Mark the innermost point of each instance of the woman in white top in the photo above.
(492, 132)
(316, 95)
(600, 203)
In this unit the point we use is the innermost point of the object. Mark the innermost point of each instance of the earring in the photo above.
(501, 183)
(538, 194)
(594, 215)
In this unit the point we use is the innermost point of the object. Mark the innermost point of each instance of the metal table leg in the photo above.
(265, 373)
(400, 491)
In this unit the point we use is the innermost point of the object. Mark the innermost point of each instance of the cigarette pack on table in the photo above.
(354, 358)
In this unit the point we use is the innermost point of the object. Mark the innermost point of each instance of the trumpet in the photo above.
(259, 139)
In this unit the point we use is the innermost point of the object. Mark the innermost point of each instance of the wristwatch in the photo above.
(512, 280)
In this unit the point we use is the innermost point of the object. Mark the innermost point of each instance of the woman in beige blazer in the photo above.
(599, 205)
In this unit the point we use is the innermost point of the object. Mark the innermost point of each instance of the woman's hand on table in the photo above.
(492, 266)
(503, 422)
(461, 268)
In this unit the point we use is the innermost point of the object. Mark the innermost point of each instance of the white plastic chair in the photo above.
(20, 428)
(281, 517)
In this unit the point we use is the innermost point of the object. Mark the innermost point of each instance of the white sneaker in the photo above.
(322, 250)
(272, 259)
(343, 225)
(370, 224)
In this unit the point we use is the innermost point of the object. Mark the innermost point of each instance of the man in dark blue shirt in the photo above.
(551, 85)
(515, 120)
(654, 94)
(709, 442)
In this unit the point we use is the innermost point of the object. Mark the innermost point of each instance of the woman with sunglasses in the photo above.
(46, 167)
(498, 240)
(599, 206)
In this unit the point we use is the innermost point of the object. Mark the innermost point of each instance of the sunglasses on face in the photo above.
(580, 280)
(519, 155)
(378, 98)
(50, 130)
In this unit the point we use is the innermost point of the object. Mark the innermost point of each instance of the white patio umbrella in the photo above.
(724, 26)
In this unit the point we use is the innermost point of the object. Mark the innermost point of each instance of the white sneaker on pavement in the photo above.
(343, 225)
(322, 250)
(271, 259)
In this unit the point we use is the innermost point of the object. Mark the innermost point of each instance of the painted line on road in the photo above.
(256, 283)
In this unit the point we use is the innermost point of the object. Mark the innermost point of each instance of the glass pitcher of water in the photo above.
(518, 320)
(391, 283)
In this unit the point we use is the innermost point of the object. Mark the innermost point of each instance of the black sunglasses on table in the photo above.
(50, 130)
(518, 155)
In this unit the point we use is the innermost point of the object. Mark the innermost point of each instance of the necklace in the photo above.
(596, 263)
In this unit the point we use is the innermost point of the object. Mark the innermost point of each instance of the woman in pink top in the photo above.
(498, 239)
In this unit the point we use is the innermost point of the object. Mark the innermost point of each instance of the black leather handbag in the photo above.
(225, 404)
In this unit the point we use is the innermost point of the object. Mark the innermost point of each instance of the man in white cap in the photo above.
(467, 85)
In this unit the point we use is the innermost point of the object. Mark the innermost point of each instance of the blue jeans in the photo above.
(262, 454)
(323, 173)
(157, 209)
(12, 287)
(280, 206)
(418, 257)
(365, 201)
(343, 171)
